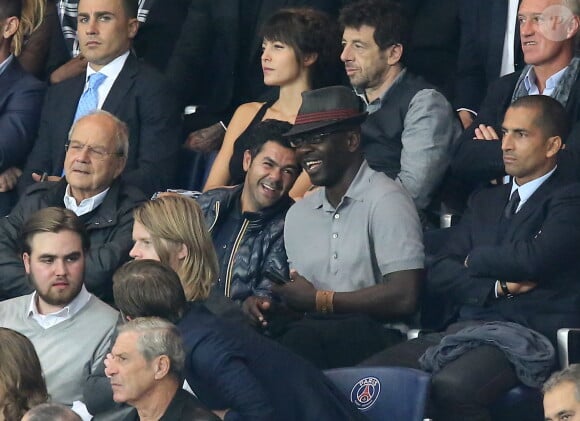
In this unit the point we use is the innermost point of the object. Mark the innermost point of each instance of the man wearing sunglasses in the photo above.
(354, 245)
(96, 154)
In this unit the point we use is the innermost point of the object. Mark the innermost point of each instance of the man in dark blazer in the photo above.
(552, 69)
(512, 258)
(20, 102)
(237, 373)
(133, 92)
(479, 63)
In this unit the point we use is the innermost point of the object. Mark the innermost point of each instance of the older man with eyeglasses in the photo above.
(96, 153)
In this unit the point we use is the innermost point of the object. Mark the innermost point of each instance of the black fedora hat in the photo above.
(330, 107)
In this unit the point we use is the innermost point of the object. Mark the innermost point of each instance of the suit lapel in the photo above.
(529, 208)
(68, 102)
(122, 85)
(10, 75)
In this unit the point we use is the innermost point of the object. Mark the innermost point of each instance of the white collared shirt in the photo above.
(4, 65)
(86, 205)
(47, 321)
(551, 83)
(507, 58)
(526, 190)
(112, 71)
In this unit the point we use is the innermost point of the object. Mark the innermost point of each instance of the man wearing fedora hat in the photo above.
(354, 245)
(411, 126)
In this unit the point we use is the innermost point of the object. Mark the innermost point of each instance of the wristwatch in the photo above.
(505, 289)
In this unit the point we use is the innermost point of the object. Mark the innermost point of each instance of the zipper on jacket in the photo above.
(216, 210)
(232, 256)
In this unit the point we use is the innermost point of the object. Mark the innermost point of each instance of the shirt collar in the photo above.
(371, 107)
(551, 83)
(64, 313)
(112, 69)
(356, 189)
(86, 205)
(528, 189)
(4, 65)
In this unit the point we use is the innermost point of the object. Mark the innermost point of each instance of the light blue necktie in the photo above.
(90, 98)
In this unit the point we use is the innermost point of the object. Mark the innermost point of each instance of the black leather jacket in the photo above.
(259, 245)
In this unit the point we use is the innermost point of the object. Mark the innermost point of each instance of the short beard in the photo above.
(55, 299)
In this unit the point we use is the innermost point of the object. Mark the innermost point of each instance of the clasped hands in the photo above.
(298, 293)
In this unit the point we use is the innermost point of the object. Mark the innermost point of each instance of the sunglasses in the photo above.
(312, 139)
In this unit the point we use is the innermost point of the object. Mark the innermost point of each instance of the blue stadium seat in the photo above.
(384, 393)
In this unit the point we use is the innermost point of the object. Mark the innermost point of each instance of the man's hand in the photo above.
(299, 293)
(107, 361)
(255, 307)
(483, 132)
(38, 178)
(466, 118)
(221, 414)
(9, 178)
(73, 67)
(206, 140)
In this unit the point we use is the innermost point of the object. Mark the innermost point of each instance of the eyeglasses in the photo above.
(94, 152)
(310, 139)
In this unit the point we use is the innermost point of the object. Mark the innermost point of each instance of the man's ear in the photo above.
(10, 27)
(162, 365)
(353, 141)
(133, 27)
(572, 29)
(554, 145)
(26, 261)
(394, 54)
(247, 160)
(120, 166)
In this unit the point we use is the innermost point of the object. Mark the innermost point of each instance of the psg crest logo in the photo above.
(365, 392)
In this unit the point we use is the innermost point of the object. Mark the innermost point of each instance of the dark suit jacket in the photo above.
(20, 101)
(205, 58)
(156, 37)
(109, 228)
(483, 28)
(434, 44)
(480, 161)
(140, 98)
(539, 243)
(232, 366)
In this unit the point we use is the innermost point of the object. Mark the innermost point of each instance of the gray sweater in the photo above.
(69, 351)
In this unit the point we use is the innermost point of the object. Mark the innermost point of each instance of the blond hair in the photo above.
(31, 18)
(175, 220)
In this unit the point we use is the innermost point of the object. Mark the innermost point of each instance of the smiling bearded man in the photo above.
(247, 221)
